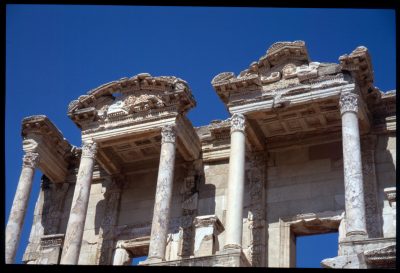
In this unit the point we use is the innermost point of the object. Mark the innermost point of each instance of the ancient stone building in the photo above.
(309, 148)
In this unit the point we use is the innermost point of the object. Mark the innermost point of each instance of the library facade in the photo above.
(309, 148)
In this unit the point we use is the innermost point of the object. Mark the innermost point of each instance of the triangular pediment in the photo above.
(136, 97)
(285, 65)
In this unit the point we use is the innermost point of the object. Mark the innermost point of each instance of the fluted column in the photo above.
(353, 176)
(159, 227)
(20, 203)
(77, 216)
(234, 219)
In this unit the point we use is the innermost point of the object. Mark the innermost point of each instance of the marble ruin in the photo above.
(310, 148)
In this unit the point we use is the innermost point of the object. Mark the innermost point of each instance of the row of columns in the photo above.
(353, 182)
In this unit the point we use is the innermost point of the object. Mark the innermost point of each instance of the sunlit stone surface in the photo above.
(309, 148)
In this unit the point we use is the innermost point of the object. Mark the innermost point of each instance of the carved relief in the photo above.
(30, 160)
(257, 209)
(348, 103)
(237, 123)
(107, 234)
(168, 134)
(89, 150)
(289, 71)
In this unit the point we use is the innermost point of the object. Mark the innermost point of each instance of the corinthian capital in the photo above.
(168, 134)
(348, 103)
(238, 123)
(30, 160)
(89, 149)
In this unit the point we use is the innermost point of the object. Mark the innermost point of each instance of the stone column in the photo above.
(121, 255)
(353, 175)
(159, 227)
(20, 204)
(234, 218)
(77, 216)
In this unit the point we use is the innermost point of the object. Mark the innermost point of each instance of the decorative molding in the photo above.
(30, 160)
(89, 150)
(390, 194)
(208, 221)
(168, 134)
(238, 123)
(348, 103)
(50, 241)
(385, 256)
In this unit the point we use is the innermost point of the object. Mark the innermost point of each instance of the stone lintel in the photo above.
(209, 221)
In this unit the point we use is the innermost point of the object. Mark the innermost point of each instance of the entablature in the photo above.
(132, 100)
(56, 153)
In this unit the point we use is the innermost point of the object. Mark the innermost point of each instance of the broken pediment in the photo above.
(141, 95)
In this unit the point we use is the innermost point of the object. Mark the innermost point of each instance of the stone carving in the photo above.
(237, 123)
(51, 241)
(289, 71)
(390, 194)
(274, 77)
(257, 211)
(348, 103)
(222, 77)
(382, 257)
(289, 111)
(89, 150)
(30, 160)
(168, 134)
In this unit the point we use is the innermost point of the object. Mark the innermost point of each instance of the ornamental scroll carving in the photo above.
(89, 150)
(348, 103)
(238, 123)
(30, 160)
(168, 134)
(257, 212)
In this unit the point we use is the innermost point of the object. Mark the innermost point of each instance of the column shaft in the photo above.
(19, 206)
(77, 217)
(353, 176)
(159, 227)
(234, 218)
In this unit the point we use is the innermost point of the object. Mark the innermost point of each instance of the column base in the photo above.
(356, 235)
(232, 246)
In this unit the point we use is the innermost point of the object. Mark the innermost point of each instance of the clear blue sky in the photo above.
(55, 53)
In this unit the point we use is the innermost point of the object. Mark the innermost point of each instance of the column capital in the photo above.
(30, 160)
(89, 149)
(238, 123)
(168, 134)
(348, 102)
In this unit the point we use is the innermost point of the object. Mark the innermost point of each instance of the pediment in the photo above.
(285, 65)
(141, 95)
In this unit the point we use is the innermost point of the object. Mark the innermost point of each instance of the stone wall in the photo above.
(300, 181)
